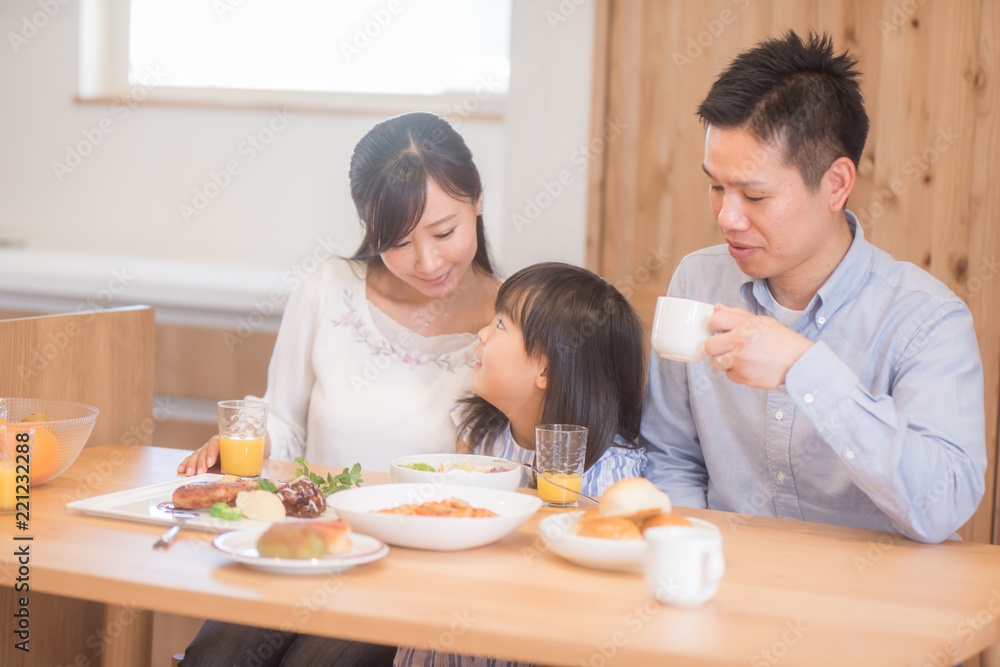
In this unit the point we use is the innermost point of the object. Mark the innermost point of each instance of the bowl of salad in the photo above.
(462, 469)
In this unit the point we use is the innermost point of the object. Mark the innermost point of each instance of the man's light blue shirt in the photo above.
(880, 424)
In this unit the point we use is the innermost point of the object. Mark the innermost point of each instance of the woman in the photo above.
(373, 351)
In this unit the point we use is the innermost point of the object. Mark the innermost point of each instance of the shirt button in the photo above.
(821, 320)
(781, 477)
(779, 415)
(849, 453)
(808, 398)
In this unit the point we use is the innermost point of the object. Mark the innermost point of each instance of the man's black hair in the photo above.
(795, 93)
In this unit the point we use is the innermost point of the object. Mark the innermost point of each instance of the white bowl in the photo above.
(359, 508)
(507, 480)
(558, 532)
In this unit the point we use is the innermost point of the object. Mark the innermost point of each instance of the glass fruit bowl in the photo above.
(61, 431)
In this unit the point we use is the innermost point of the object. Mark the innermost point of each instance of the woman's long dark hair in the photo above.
(390, 169)
(595, 350)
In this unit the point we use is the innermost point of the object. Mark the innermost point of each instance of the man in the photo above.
(844, 387)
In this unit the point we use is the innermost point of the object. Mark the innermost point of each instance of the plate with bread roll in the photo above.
(300, 547)
(610, 536)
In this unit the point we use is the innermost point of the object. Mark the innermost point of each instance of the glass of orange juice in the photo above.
(560, 450)
(242, 427)
(15, 460)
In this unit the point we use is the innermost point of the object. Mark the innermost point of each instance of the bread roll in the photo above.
(665, 520)
(635, 498)
(292, 540)
(609, 528)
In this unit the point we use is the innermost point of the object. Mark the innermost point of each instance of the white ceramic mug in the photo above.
(683, 564)
(680, 328)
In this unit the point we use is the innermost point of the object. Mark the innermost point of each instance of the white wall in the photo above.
(548, 127)
(289, 202)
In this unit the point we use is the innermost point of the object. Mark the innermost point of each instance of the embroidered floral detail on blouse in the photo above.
(382, 349)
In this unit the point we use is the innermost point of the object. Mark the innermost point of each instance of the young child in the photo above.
(564, 347)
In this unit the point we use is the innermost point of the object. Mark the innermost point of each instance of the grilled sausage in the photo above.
(205, 494)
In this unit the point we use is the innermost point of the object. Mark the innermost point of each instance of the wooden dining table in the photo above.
(794, 593)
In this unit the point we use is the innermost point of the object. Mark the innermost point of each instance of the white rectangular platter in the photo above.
(142, 504)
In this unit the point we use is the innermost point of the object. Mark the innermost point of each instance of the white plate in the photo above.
(507, 480)
(142, 505)
(241, 546)
(558, 531)
(359, 508)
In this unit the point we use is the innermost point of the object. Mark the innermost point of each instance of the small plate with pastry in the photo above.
(609, 537)
(300, 547)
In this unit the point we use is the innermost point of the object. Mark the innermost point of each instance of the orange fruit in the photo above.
(44, 450)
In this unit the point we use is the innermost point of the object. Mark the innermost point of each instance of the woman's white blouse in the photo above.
(348, 384)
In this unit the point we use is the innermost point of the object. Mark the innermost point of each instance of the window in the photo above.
(362, 53)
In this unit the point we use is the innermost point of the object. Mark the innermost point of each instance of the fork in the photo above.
(168, 536)
(554, 483)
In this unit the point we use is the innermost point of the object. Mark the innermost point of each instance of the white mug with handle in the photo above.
(684, 565)
(680, 328)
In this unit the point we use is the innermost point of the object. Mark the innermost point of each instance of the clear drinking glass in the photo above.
(242, 427)
(560, 450)
(15, 461)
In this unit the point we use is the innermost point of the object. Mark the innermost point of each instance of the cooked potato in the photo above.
(260, 505)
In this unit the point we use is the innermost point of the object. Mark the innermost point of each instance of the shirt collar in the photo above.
(842, 284)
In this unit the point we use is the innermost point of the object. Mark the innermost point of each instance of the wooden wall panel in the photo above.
(598, 116)
(981, 288)
(211, 364)
(927, 183)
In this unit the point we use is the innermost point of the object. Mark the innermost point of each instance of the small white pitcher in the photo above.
(684, 564)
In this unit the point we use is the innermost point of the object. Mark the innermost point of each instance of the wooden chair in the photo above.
(104, 359)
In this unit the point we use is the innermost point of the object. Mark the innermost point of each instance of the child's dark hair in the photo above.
(595, 350)
(802, 93)
(390, 169)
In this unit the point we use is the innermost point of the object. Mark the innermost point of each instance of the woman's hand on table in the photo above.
(201, 459)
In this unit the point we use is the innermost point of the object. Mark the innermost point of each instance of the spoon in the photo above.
(554, 483)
